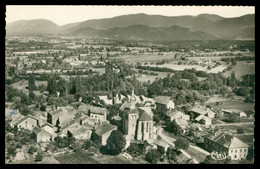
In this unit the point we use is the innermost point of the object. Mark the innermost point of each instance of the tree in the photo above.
(181, 143)
(87, 144)
(43, 108)
(11, 151)
(38, 157)
(115, 142)
(32, 150)
(136, 149)
(173, 127)
(240, 131)
(172, 154)
(58, 125)
(152, 156)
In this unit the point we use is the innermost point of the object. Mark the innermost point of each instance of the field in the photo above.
(146, 57)
(21, 85)
(175, 66)
(242, 68)
(81, 158)
(145, 78)
(76, 158)
(233, 104)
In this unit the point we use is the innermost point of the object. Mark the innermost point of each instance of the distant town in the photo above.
(102, 100)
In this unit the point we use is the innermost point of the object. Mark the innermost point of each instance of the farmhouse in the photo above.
(49, 128)
(204, 120)
(182, 123)
(177, 115)
(41, 135)
(62, 114)
(164, 103)
(222, 142)
(27, 122)
(103, 131)
(99, 115)
(202, 110)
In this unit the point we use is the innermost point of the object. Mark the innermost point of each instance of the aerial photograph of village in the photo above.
(129, 84)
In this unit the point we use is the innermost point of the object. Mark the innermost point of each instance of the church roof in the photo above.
(144, 117)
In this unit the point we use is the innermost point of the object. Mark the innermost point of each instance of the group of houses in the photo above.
(137, 122)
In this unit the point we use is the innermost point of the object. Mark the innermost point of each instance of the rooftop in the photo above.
(163, 99)
(226, 140)
(201, 110)
(144, 117)
(104, 128)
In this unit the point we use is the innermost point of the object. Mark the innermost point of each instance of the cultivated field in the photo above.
(197, 67)
(242, 68)
(145, 78)
(76, 158)
(234, 104)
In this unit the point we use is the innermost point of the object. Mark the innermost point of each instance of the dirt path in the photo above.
(233, 124)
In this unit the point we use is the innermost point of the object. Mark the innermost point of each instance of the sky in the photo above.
(62, 15)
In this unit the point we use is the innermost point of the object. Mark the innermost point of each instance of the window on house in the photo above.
(245, 150)
(235, 151)
(231, 151)
(235, 156)
(244, 155)
(240, 150)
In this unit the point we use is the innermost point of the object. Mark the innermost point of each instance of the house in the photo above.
(82, 132)
(62, 114)
(118, 99)
(223, 142)
(182, 123)
(41, 135)
(49, 128)
(161, 144)
(27, 122)
(164, 103)
(98, 114)
(87, 121)
(204, 120)
(177, 115)
(77, 130)
(15, 118)
(242, 115)
(202, 110)
(103, 131)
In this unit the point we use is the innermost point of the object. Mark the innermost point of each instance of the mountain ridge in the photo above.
(217, 26)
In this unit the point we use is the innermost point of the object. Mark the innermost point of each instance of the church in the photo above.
(137, 122)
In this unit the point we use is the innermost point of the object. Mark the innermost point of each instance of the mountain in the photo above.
(238, 27)
(143, 32)
(211, 17)
(32, 27)
(144, 19)
(201, 26)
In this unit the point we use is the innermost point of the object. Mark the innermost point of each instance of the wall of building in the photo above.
(238, 153)
(29, 124)
(105, 136)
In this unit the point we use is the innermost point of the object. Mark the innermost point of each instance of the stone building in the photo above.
(223, 142)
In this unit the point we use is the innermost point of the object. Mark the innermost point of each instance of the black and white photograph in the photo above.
(97, 84)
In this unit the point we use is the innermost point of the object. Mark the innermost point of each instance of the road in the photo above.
(234, 124)
(171, 140)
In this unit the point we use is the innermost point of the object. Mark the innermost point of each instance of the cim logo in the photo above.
(218, 156)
